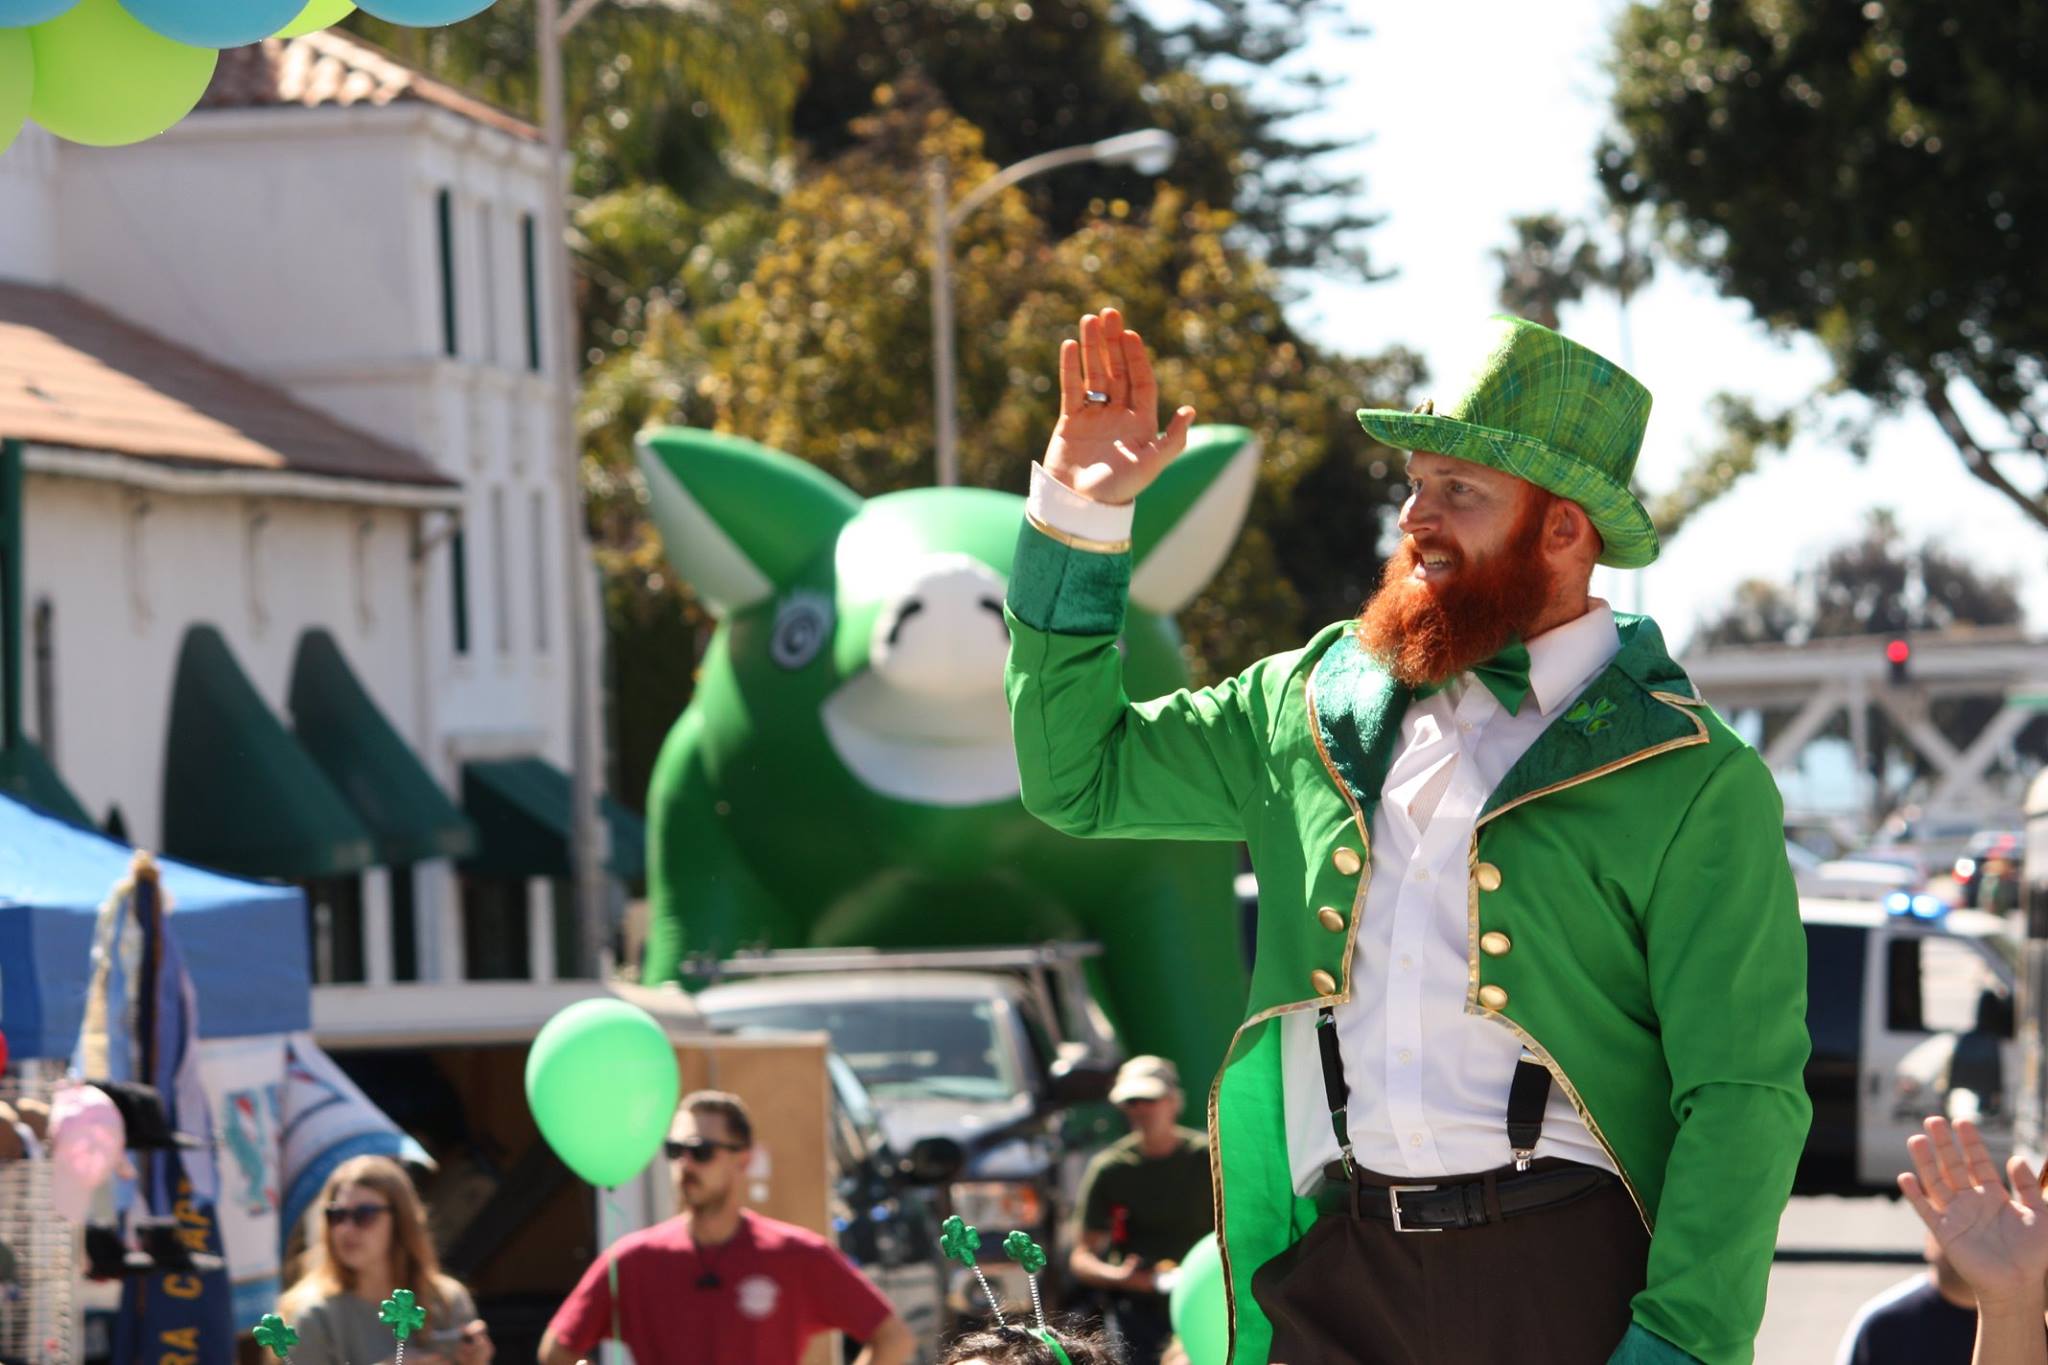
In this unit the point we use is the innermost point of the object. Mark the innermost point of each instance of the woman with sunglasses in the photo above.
(367, 1236)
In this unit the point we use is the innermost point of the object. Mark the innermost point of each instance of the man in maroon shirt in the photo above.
(718, 1284)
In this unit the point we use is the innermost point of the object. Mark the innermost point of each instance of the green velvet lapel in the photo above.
(1617, 720)
(1357, 709)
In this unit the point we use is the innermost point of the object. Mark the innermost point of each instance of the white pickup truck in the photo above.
(993, 1048)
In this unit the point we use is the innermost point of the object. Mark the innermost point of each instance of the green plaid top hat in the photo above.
(1547, 410)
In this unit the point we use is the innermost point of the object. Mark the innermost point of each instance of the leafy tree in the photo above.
(1877, 584)
(752, 254)
(1744, 435)
(1074, 71)
(696, 98)
(824, 351)
(1554, 262)
(1866, 174)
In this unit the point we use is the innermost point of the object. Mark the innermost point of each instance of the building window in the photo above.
(458, 587)
(568, 933)
(444, 220)
(494, 929)
(537, 551)
(45, 647)
(487, 272)
(334, 912)
(405, 925)
(529, 274)
(501, 595)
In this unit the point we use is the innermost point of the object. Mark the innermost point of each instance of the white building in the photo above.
(289, 593)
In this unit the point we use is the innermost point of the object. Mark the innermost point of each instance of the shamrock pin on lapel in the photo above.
(403, 1316)
(1592, 717)
(274, 1332)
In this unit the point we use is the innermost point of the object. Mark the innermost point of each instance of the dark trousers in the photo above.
(1547, 1287)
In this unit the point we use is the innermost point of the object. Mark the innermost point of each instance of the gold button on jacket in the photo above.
(1493, 997)
(1495, 944)
(1331, 919)
(1325, 984)
(1348, 862)
(1488, 877)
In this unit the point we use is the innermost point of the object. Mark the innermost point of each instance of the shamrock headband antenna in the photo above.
(401, 1313)
(960, 1240)
(274, 1332)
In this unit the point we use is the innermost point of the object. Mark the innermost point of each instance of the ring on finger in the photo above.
(1095, 397)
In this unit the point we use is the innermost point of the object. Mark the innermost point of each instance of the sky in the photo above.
(1477, 111)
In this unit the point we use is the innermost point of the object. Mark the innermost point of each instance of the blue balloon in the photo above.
(423, 13)
(23, 13)
(213, 23)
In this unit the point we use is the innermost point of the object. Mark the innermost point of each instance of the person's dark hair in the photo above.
(729, 1107)
(1015, 1346)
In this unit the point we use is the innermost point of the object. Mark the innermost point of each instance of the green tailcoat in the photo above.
(1628, 877)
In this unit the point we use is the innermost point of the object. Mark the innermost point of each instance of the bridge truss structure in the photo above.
(1804, 690)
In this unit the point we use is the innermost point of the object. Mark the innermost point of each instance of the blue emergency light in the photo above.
(1921, 906)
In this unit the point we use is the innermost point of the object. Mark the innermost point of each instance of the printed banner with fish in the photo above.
(245, 1078)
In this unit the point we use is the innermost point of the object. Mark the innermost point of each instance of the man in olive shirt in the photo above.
(1144, 1201)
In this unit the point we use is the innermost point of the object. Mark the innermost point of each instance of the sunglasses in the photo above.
(362, 1215)
(698, 1149)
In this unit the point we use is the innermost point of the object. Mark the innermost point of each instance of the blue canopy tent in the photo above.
(244, 943)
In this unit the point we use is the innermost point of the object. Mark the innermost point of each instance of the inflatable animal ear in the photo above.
(738, 520)
(1189, 518)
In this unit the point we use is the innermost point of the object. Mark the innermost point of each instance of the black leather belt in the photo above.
(1470, 1203)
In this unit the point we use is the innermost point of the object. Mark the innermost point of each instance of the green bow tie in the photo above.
(1506, 675)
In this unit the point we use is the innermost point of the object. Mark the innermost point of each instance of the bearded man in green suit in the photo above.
(1519, 1078)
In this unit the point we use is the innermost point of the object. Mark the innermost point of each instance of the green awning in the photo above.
(373, 768)
(240, 793)
(521, 809)
(27, 775)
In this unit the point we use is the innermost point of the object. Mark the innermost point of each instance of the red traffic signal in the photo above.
(1897, 653)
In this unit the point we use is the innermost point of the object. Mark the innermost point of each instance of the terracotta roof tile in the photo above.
(331, 68)
(73, 374)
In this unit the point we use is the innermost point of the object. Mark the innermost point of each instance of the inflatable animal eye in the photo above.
(802, 626)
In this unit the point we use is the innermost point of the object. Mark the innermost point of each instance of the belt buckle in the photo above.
(1394, 1193)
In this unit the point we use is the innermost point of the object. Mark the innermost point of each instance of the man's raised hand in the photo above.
(1111, 451)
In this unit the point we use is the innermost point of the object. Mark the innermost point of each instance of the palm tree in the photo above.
(688, 94)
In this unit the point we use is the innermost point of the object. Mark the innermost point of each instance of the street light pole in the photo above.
(945, 402)
(1148, 151)
(587, 843)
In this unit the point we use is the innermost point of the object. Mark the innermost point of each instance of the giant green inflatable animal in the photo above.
(844, 774)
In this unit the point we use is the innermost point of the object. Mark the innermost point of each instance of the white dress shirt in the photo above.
(1429, 1082)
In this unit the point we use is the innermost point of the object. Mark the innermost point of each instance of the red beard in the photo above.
(1426, 635)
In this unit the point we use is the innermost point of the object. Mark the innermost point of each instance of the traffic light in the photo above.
(1898, 653)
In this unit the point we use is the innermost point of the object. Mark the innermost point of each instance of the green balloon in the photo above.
(601, 1081)
(17, 82)
(317, 14)
(106, 80)
(1200, 1312)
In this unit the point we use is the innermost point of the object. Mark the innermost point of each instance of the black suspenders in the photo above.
(1528, 1096)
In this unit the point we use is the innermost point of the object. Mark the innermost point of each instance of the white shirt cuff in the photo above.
(1075, 518)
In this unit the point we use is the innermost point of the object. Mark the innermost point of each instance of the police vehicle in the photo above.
(1910, 1007)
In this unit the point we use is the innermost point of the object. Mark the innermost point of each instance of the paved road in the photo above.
(1813, 1301)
